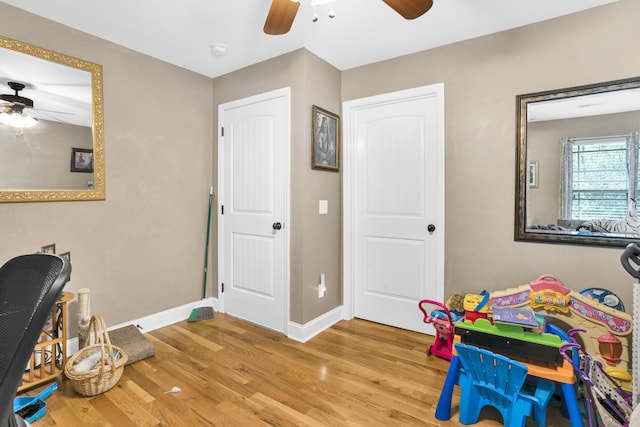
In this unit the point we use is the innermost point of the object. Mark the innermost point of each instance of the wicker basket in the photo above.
(97, 380)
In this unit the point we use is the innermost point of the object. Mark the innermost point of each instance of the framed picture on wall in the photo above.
(49, 249)
(81, 160)
(532, 174)
(325, 139)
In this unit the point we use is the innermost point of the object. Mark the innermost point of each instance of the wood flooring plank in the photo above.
(133, 408)
(293, 416)
(85, 410)
(66, 416)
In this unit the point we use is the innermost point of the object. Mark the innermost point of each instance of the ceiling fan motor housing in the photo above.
(17, 99)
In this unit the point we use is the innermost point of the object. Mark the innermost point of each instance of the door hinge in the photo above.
(221, 209)
(222, 290)
(222, 131)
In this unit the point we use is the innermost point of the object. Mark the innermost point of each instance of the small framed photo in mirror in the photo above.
(49, 249)
(533, 174)
(66, 255)
(81, 160)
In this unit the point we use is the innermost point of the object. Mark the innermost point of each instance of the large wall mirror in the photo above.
(51, 126)
(577, 164)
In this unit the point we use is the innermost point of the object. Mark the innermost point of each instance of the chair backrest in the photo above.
(495, 376)
(30, 285)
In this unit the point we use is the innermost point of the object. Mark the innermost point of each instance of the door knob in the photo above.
(277, 226)
(431, 228)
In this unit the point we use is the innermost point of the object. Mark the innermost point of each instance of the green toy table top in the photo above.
(510, 331)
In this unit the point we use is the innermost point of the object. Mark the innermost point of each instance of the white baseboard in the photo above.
(153, 321)
(296, 331)
(303, 333)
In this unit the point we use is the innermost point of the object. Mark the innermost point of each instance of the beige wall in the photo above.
(482, 78)
(40, 157)
(314, 239)
(141, 250)
(321, 238)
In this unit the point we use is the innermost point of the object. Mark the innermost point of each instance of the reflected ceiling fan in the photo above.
(283, 12)
(14, 108)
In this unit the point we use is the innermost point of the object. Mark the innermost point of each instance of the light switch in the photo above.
(323, 207)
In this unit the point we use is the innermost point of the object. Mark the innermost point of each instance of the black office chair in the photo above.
(29, 288)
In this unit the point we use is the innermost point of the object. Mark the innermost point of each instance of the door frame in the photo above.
(286, 94)
(349, 108)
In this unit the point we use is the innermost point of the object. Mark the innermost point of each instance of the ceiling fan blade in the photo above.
(40, 110)
(280, 17)
(410, 9)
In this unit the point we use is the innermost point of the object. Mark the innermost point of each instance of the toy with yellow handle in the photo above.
(550, 300)
(623, 378)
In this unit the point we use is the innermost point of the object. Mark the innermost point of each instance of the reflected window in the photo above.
(599, 176)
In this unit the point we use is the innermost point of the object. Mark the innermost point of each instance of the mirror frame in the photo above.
(98, 192)
(522, 101)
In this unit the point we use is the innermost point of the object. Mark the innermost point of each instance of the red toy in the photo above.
(440, 317)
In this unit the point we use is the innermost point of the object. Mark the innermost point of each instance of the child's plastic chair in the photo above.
(443, 324)
(491, 379)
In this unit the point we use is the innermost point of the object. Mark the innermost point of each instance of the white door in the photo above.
(253, 182)
(394, 205)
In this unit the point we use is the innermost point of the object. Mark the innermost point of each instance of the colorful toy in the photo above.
(441, 320)
(511, 340)
(455, 304)
(609, 331)
(608, 404)
(475, 306)
(491, 379)
(604, 296)
(32, 408)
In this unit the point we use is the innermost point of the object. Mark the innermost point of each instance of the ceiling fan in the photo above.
(14, 106)
(15, 99)
(283, 12)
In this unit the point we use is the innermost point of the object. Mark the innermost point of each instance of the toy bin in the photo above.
(476, 307)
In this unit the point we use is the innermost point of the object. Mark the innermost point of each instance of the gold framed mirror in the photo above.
(577, 171)
(60, 158)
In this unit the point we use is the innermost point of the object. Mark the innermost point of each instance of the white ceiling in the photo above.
(182, 32)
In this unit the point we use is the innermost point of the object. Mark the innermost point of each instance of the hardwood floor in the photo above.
(233, 373)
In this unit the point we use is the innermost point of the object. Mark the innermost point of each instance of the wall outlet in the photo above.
(322, 288)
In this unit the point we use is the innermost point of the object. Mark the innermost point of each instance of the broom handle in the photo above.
(206, 247)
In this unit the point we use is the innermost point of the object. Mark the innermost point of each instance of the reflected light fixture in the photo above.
(13, 117)
(13, 112)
